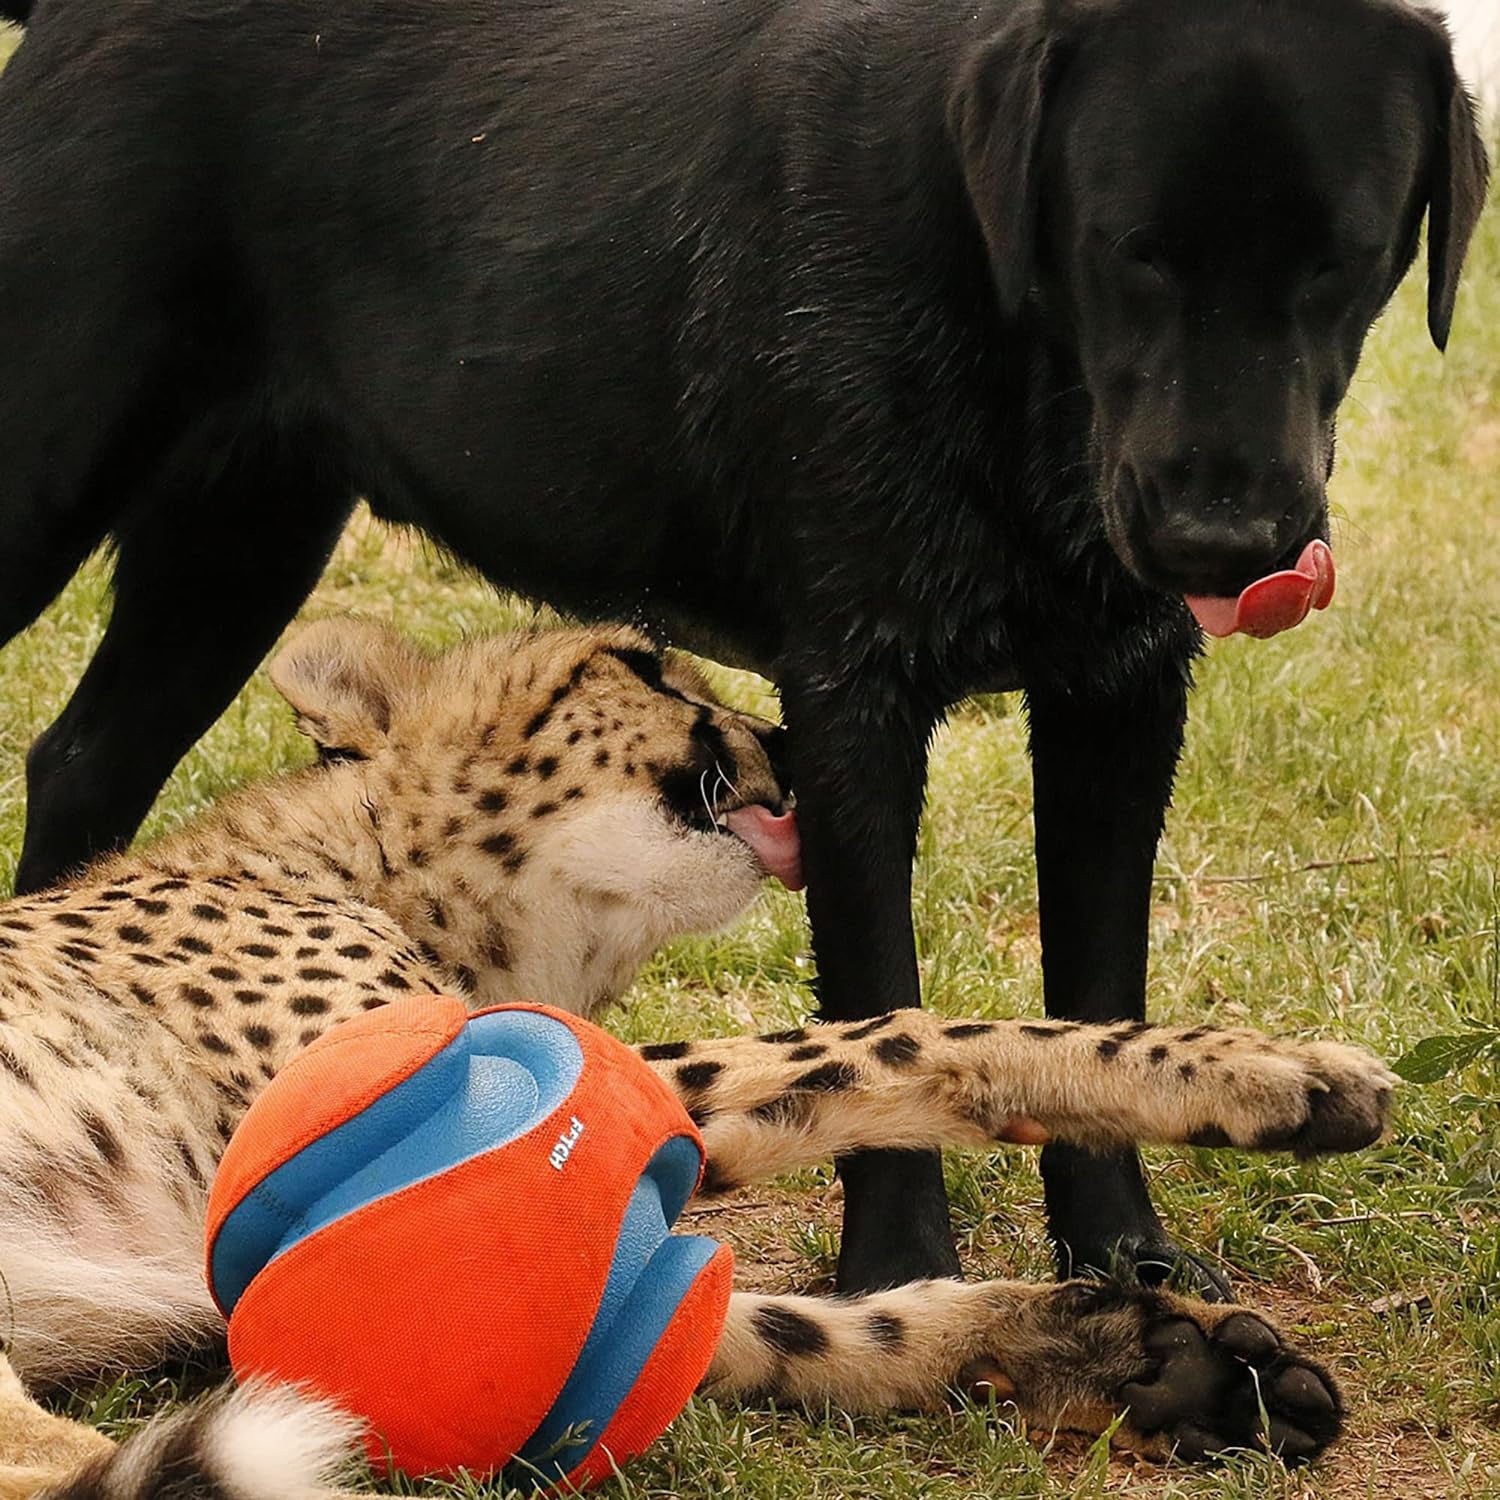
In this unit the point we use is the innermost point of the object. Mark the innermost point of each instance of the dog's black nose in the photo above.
(1216, 549)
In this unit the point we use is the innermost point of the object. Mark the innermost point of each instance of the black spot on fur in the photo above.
(227, 972)
(258, 950)
(493, 801)
(791, 1334)
(898, 1051)
(212, 1042)
(543, 809)
(1158, 1054)
(1041, 1033)
(831, 1078)
(807, 1053)
(1187, 1070)
(189, 1161)
(130, 933)
(971, 1028)
(664, 1051)
(869, 1028)
(645, 664)
(354, 950)
(778, 1038)
(499, 844)
(1108, 1048)
(190, 944)
(73, 919)
(887, 1330)
(15, 1067)
(208, 913)
(102, 1138)
(698, 1075)
(546, 767)
(308, 1005)
(196, 995)
(790, 1108)
(394, 981)
(259, 1037)
(250, 997)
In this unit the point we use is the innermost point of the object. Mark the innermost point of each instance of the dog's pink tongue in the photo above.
(773, 840)
(1273, 603)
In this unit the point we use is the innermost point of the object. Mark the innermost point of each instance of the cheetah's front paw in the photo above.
(1304, 1097)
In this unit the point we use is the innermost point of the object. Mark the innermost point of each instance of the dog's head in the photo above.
(1210, 203)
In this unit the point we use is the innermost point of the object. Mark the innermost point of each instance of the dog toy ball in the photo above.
(454, 1225)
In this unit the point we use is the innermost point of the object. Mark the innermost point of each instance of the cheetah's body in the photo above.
(531, 819)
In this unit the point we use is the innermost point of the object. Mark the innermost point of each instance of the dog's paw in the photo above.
(1216, 1383)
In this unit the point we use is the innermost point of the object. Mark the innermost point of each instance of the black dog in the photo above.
(899, 349)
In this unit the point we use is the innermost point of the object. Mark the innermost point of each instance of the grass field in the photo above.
(1330, 867)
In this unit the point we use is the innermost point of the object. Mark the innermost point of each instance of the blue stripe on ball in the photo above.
(500, 1076)
(649, 1275)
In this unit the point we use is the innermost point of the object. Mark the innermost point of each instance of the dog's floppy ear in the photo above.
(995, 117)
(1460, 169)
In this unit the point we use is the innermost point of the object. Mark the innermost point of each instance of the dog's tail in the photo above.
(256, 1443)
(16, 11)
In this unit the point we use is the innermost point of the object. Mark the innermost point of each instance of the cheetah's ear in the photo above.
(344, 677)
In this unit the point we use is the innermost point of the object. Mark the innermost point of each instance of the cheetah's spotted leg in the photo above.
(913, 1079)
(1192, 1378)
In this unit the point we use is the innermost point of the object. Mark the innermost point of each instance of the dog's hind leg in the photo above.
(209, 571)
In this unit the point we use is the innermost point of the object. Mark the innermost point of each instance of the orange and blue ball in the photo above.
(456, 1225)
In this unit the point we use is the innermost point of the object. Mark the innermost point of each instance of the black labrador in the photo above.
(899, 349)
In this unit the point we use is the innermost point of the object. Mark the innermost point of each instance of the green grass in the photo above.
(1329, 867)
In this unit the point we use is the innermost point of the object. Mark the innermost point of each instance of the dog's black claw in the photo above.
(1155, 1264)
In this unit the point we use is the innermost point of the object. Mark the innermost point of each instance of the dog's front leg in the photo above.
(858, 741)
(1102, 770)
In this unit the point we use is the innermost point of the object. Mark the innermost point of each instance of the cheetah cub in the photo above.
(531, 817)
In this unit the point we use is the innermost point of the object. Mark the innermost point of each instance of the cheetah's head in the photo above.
(579, 791)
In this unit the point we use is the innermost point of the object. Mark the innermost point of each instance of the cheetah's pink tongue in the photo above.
(1273, 603)
(773, 841)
